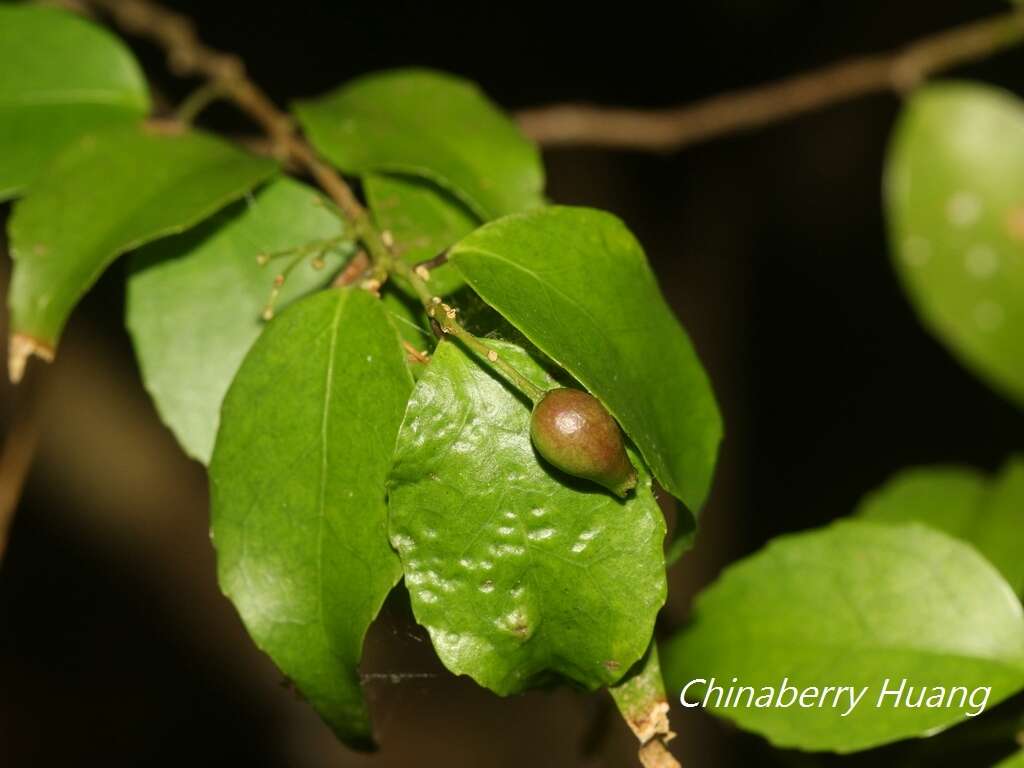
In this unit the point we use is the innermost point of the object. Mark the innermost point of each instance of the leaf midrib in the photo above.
(74, 97)
(324, 463)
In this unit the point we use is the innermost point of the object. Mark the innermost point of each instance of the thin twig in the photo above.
(197, 101)
(434, 262)
(444, 317)
(18, 450)
(667, 130)
(188, 56)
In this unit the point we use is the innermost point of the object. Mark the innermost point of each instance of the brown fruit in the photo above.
(572, 430)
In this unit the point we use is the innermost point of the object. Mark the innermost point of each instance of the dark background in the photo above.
(116, 648)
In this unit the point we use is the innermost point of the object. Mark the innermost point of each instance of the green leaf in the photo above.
(955, 203)
(987, 513)
(432, 125)
(683, 538)
(195, 300)
(297, 495)
(60, 77)
(518, 573)
(423, 220)
(1013, 761)
(104, 195)
(577, 284)
(855, 604)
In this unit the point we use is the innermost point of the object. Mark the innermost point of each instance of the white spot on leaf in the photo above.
(988, 315)
(541, 534)
(981, 261)
(963, 209)
(916, 251)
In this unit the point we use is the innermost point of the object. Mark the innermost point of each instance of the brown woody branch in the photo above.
(187, 55)
(586, 125)
(667, 130)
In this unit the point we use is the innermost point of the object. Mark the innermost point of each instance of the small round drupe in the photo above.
(572, 430)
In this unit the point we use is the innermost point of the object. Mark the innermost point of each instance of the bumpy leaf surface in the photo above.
(518, 572)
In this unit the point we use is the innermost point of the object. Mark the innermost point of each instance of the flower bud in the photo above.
(573, 431)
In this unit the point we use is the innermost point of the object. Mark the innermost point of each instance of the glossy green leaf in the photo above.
(195, 300)
(432, 125)
(423, 220)
(577, 284)
(855, 604)
(60, 77)
(987, 513)
(297, 493)
(1013, 761)
(519, 573)
(955, 203)
(105, 195)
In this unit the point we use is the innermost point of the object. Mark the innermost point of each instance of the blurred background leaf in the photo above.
(855, 604)
(60, 78)
(986, 512)
(955, 200)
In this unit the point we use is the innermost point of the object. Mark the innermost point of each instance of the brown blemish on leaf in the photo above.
(387, 203)
(1015, 222)
(22, 347)
(612, 665)
(161, 127)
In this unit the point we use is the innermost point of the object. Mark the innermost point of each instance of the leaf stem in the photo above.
(446, 318)
(198, 100)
